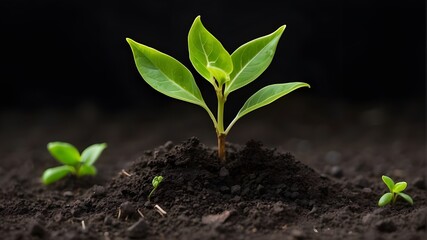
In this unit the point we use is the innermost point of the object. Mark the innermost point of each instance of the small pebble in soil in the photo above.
(385, 226)
(68, 194)
(297, 234)
(278, 207)
(138, 230)
(420, 183)
(98, 191)
(57, 217)
(127, 209)
(367, 190)
(336, 171)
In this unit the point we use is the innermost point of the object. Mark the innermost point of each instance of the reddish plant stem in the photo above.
(221, 148)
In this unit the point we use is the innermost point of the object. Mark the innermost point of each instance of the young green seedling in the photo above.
(225, 72)
(395, 191)
(156, 182)
(74, 163)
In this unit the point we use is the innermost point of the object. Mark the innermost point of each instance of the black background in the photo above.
(68, 53)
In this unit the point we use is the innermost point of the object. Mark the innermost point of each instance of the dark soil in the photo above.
(319, 188)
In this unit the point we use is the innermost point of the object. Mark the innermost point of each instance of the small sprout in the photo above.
(156, 182)
(224, 71)
(395, 191)
(74, 163)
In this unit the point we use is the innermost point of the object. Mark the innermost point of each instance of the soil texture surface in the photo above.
(314, 176)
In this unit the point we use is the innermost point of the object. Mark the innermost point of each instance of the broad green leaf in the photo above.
(156, 181)
(52, 175)
(91, 153)
(400, 186)
(407, 198)
(165, 74)
(389, 182)
(251, 59)
(385, 199)
(207, 54)
(86, 170)
(266, 96)
(64, 152)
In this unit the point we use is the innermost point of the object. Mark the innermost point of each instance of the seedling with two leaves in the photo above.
(156, 182)
(225, 72)
(395, 191)
(74, 163)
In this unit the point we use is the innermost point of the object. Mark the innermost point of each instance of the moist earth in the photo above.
(312, 172)
(261, 193)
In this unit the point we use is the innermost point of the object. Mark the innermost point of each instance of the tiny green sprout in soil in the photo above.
(225, 72)
(395, 190)
(156, 182)
(73, 162)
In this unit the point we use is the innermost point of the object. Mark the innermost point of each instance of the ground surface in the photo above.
(312, 172)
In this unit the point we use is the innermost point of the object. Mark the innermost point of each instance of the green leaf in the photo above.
(266, 96)
(400, 186)
(407, 198)
(64, 152)
(91, 153)
(207, 54)
(389, 182)
(86, 170)
(52, 175)
(385, 199)
(156, 181)
(251, 59)
(165, 74)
